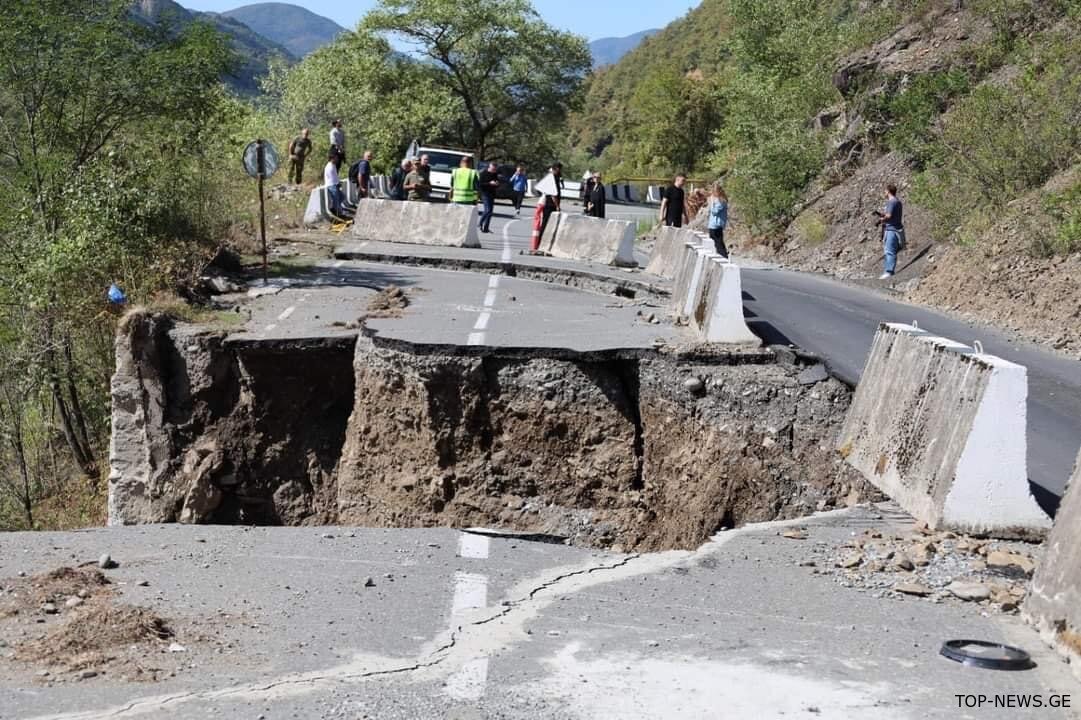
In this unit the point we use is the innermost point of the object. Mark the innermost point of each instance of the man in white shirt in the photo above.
(331, 181)
(337, 139)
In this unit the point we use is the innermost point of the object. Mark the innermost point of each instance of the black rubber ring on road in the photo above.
(1012, 658)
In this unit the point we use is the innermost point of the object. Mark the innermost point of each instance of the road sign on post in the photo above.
(261, 161)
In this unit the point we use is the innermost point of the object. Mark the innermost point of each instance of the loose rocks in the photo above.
(106, 562)
(973, 592)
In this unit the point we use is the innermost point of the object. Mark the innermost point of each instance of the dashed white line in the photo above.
(489, 298)
(288, 311)
(468, 683)
(483, 320)
(493, 281)
(474, 546)
(475, 338)
(270, 327)
(339, 263)
(506, 241)
(470, 592)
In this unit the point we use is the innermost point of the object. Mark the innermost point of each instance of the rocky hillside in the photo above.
(297, 29)
(971, 108)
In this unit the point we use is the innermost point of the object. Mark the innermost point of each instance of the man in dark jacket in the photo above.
(397, 180)
(596, 200)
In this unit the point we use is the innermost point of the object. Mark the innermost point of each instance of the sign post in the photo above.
(261, 161)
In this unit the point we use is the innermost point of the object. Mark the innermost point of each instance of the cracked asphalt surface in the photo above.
(281, 625)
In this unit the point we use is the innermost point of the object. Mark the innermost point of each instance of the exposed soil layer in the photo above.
(644, 450)
(644, 454)
(205, 431)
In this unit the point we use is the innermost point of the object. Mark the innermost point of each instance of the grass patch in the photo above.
(811, 228)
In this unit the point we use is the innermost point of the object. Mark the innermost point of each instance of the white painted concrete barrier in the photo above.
(653, 194)
(689, 262)
(580, 237)
(318, 208)
(940, 428)
(417, 223)
(718, 305)
(668, 250)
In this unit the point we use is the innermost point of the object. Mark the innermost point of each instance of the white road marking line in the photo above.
(475, 338)
(339, 263)
(506, 241)
(474, 546)
(489, 298)
(270, 327)
(482, 321)
(470, 592)
(288, 311)
(493, 281)
(468, 683)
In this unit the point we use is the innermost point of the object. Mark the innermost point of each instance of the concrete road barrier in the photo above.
(318, 209)
(690, 264)
(653, 194)
(940, 428)
(417, 223)
(668, 250)
(1053, 603)
(718, 303)
(630, 193)
(580, 237)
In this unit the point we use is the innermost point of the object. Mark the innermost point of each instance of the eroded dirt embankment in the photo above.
(644, 451)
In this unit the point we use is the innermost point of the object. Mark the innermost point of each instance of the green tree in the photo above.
(671, 120)
(383, 98)
(514, 76)
(99, 114)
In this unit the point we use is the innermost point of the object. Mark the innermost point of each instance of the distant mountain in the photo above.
(253, 50)
(297, 29)
(607, 51)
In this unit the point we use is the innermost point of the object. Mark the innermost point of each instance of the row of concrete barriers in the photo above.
(707, 288)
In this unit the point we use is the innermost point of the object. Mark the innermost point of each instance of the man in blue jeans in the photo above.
(893, 231)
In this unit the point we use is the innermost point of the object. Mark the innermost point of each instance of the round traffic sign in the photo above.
(252, 158)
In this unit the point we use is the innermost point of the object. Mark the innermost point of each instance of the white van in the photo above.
(442, 161)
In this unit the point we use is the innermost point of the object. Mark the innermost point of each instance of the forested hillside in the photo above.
(807, 109)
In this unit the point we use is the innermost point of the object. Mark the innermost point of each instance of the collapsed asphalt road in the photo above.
(324, 623)
(837, 322)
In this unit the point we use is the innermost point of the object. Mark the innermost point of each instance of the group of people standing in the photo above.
(467, 186)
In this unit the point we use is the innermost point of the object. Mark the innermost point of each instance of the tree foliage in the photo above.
(513, 76)
(102, 150)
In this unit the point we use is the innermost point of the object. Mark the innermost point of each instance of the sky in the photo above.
(592, 18)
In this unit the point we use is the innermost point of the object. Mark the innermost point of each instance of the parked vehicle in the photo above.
(442, 161)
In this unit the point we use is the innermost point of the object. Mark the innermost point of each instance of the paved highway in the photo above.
(283, 624)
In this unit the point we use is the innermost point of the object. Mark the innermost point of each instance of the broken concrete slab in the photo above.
(417, 223)
(940, 428)
(579, 237)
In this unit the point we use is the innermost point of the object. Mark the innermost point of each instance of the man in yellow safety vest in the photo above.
(464, 183)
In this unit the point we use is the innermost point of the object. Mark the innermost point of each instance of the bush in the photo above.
(1003, 141)
(904, 118)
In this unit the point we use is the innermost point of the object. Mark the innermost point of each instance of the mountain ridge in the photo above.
(610, 50)
(298, 29)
